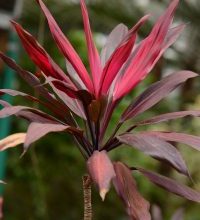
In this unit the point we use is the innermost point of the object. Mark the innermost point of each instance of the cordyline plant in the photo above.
(94, 96)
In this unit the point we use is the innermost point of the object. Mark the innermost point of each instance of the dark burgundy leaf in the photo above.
(188, 139)
(30, 114)
(156, 148)
(155, 93)
(171, 185)
(35, 83)
(169, 116)
(137, 207)
(101, 170)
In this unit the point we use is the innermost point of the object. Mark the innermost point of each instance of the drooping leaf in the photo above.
(156, 148)
(137, 207)
(35, 83)
(168, 116)
(30, 114)
(188, 139)
(93, 55)
(12, 141)
(155, 93)
(171, 185)
(66, 48)
(113, 41)
(101, 170)
(38, 130)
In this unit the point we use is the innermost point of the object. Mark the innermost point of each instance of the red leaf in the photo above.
(125, 185)
(101, 170)
(155, 93)
(66, 48)
(39, 55)
(147, 54)
(94, 59)
(119, 56)
(156, 148)
(171, 185)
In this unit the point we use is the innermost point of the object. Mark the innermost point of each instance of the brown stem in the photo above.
(87, 193)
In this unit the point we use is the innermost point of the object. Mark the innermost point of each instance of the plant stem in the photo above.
(87, 195)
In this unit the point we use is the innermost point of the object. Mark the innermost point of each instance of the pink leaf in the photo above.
(113, 41)
(148, 52)
(12, 141)
(119, 56)
(101, 170)
(94, 59)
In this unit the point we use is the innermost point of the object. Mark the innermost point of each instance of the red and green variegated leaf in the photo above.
(178, 215)
(38, 130)
(147, 54)
(94, 59)
(101, 170)
(155, 93)
(40, 56)
(169, 116)
(171, 185)
(188, 139)
(66, 48)
(156, 148)
(137, 207)
(119, 56)
(12, 141)
(113, 41)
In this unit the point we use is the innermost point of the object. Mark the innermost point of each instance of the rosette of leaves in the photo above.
(93, 96)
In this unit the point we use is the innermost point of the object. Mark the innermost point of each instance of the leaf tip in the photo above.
(103, 193)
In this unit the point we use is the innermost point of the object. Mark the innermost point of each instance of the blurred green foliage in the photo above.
(46, 183)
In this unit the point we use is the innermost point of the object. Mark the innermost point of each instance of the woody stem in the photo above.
(87, 195)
